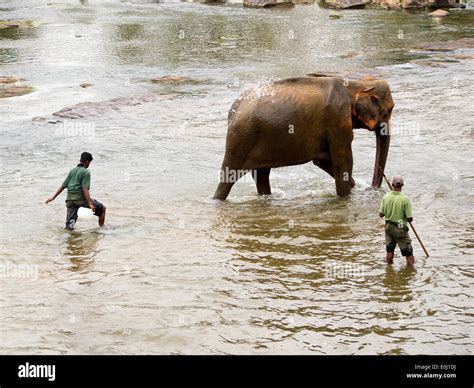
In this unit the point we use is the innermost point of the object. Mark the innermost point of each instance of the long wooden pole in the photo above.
(412, 227)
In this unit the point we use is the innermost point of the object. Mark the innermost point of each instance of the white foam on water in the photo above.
(84, 213)
(362, 184)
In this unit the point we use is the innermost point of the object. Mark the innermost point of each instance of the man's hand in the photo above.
(91, 205)
(59, 191)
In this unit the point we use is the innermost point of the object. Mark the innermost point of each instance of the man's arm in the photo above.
(408, 211)
(88, 198)
(381, 209)
(59, 191)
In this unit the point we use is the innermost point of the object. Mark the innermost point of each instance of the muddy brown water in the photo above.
(173, 271)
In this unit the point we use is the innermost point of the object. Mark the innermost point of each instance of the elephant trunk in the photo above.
(383, 144)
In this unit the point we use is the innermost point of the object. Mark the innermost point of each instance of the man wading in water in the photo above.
(396, 208)
(78, 184)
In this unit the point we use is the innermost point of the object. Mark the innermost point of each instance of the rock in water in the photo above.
(9, 79)
(439, 13)
(91, 109)
(268, 3)
(4, 24)
(448, 45)
(172, 79)
(347, 4)
(13, 87)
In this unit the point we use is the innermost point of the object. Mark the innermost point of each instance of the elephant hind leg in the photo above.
(326, 165)
(229, 176)
(262, 179)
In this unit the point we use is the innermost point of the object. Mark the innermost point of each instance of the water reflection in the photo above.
(289, 245)
(80, 249)
(187, 38)
(397, 283)
(8, 55)
(287, 229)
(16, 33)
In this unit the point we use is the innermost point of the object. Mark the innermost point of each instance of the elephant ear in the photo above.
(366, 108)
(368, 78)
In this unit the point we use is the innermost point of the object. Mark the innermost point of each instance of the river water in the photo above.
(173, 271)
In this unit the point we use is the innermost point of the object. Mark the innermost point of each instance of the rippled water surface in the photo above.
(173, 271)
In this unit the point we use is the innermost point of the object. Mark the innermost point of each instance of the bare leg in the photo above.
(410, 261)
(389, 258)
(262, 179)
(102, 217)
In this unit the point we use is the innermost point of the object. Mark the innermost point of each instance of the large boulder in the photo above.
(389, 4)
(347, 4)
(412, 4)
(439, 3)
(439, 13)
(416, 4)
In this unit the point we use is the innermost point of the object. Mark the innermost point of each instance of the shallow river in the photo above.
(173, 271)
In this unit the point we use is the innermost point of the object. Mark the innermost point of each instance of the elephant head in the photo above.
(372, 106)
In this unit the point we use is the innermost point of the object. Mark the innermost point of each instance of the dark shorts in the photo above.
(395, 235)
(73, 207)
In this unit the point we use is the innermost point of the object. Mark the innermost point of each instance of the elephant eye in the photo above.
(376, 101)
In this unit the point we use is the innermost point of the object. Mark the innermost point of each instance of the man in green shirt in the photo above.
(396, 208)
(78, 184)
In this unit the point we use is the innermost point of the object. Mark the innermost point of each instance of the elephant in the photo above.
(302, 119)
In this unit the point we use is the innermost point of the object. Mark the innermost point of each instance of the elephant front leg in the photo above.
(343, 175)
(262, 179)
(340, 150)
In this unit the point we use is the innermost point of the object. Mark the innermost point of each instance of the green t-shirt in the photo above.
(396, 207)
(77, 178)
